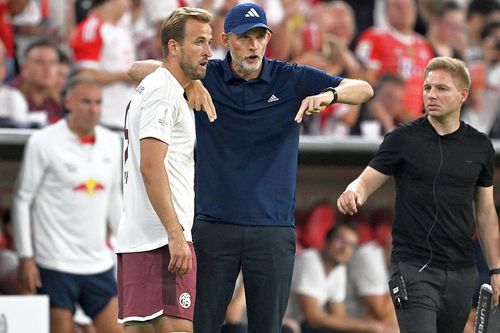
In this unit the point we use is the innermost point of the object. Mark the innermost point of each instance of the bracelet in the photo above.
(494, 271)
(334, 92)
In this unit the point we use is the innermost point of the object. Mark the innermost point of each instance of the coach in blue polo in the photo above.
(246, 168)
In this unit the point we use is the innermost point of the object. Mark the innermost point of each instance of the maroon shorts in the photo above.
(147, 290)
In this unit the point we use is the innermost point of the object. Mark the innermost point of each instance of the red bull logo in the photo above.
(91, 186)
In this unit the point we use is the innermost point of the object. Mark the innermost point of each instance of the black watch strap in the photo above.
(494, 271)
(334, 92)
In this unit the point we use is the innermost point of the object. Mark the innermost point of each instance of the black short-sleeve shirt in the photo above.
(436, 177)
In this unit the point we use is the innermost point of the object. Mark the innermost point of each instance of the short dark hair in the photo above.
(63, 57)
(389, 78)
(174, 26)
(77, 80)
(339, 225)
(41, 43)
(443, 8)
(488, 28)
(482, 7)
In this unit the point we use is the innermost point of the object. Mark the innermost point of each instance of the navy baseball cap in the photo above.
(244, 17)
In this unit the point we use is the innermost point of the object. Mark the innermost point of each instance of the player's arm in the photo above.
(357, 192)
(29, 179)
(155, 176)
(349, 91)
(487, 227)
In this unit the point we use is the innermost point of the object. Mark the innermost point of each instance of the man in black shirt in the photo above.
(443, 170)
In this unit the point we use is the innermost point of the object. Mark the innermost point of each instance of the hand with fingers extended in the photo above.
(29, 276)
(200, 100)
(314, 104)
(348, 202)
(181, 260)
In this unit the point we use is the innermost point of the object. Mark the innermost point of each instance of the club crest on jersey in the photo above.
(90, 186)
(185, 300)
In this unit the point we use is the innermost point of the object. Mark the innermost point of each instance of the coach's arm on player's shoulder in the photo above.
(349, 91)
(199, 98)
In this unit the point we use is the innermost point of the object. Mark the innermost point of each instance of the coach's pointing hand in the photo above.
(313, 104)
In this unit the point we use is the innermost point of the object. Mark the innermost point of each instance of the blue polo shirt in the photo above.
(246, 161)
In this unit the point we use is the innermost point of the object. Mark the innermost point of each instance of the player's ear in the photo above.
(173, 47)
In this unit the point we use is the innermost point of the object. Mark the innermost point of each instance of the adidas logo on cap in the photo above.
(252, 13)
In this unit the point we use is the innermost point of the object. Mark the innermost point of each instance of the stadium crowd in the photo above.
(388, 43)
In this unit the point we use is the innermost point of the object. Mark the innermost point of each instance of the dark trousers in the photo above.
(265, 256)
(438, 299)
(242, 328)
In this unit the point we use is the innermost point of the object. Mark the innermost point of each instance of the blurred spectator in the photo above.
(63, 72)
(48, 19)
(483, 111)
(397, 49)
(82, 9)
(447, 30)
(9, 262)
(319, 286)
(14, 110)
(368, 275)
(9, 9)
(66, 201)
(155, 12)
(336, 28)
(104, 50)
(386, 106)
(479, 12)
(36, 82)
(27, 27)
(142, 32)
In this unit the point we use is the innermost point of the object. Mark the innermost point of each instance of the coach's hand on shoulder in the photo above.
(181, 260)
(199, 99)
(29, 276)
(313, 104)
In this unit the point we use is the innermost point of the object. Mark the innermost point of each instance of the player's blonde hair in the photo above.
(174, 25)
(455, 67)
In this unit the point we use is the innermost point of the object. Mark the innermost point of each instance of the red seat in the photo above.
(321, 218)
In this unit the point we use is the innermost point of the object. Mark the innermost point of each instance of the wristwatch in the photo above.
(494, 271)
(334, 92)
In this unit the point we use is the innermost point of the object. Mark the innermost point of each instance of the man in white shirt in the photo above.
(103, 48)
(67, 201)
(319, 286)
(156, 260)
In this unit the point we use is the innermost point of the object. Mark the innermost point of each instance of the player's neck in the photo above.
(176, 70)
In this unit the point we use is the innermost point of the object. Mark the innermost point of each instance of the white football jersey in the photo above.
(157, 110)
